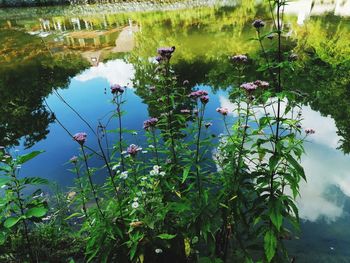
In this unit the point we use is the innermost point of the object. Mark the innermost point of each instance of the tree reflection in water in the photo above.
(28, 74)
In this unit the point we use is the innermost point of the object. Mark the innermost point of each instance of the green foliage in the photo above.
(17, 211)
(176, 198)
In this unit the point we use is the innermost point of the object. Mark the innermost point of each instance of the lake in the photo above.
(51, 57)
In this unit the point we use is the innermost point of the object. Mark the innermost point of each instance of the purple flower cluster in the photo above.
(239, 59)
(164, 53)
(80, 137)
(249, 86)
(197, 94)
(133, 150)
(262, 84)
(309, 131)
(258, 24)
(150, 123)
(201, 94)
(116, 89)
(223, 111)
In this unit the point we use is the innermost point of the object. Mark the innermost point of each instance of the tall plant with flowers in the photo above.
(259, 159)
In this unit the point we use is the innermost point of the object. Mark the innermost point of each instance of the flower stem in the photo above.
(82, 192)
(90, 181)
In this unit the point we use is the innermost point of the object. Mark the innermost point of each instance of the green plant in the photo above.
(18, 211)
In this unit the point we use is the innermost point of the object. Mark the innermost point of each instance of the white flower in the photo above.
(150, 146)
(115, 166)
(46, 218)
(158, 250)
(124, 175)
(162, 174)
(135, 205)
(156, 167)
(153, 172)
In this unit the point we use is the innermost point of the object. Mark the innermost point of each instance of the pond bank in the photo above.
(125, 4)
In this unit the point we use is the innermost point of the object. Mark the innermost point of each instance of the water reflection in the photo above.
(303, 9)
(115, 71)
(27, 75)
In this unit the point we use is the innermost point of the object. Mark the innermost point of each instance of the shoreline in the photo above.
(124, 7)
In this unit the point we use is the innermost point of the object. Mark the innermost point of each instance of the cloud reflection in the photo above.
(115, 72)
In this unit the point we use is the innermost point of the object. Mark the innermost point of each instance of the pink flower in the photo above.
(258, 24)
(80, 137)
(249, 86)
(204, 99)
(197, 94)
(223, 111)
(239, 59)
(133, 149)
(164, 53)
(262, 84)
(150, 123)
(116, 88)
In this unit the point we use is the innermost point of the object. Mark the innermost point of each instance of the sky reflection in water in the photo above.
(325, 166)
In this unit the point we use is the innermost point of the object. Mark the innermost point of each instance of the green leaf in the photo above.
(72, 215)
(7, 169)
(296, 166)
(36, 212)
(34, 180)
(26, 157)
(11, 221)
(166, 236)
(270, 244)
(133, 251)
(275, 214)
(185, 174)
(273, 161)
(2, 238)
(4, 181)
